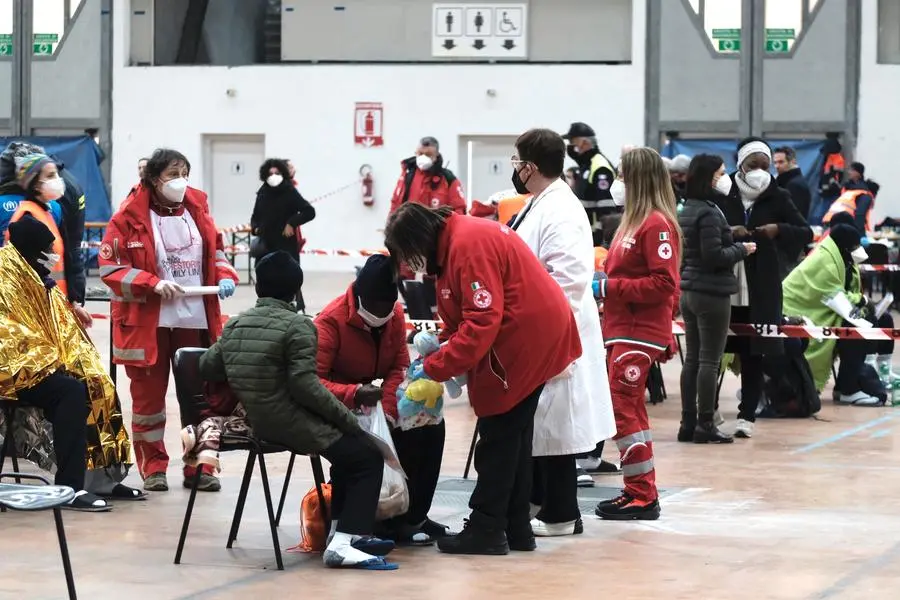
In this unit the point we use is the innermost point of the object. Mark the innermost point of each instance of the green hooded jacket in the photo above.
(821, 274)
(268, 356)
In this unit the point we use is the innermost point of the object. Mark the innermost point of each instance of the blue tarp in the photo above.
(809, 158)
(82, 158)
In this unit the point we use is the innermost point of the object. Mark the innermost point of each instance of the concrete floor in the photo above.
(803, 510)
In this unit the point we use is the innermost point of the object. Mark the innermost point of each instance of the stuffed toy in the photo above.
(420, 400)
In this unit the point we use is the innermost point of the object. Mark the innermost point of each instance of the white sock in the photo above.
(96, 503)
(340, 544)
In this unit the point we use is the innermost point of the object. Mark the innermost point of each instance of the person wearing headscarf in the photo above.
(68, 212)
(761, 212)
(56, 369)
(362, 338)
(832, 269)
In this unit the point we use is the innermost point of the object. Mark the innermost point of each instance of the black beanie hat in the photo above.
(846, 237)
(859, 168)
(30, 237)
(375, 281)
(278, 276)
(842, 218)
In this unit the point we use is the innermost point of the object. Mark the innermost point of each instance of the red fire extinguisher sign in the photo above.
(368, 124)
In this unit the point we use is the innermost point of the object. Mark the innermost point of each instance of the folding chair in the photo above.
(32, 498)
(9, 436)
(189, 390)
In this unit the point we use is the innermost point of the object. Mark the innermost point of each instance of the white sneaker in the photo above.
(542, 529)
(743, 429)
(583, 478)
(858, 399)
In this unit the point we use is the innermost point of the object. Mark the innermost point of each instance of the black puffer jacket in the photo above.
(276, 207)
(710, 252)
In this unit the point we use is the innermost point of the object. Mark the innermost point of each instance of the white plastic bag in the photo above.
(394, 497)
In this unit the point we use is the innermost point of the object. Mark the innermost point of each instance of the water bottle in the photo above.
(895, 393)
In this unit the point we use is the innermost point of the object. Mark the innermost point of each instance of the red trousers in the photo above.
(148, 401)
(628, 366)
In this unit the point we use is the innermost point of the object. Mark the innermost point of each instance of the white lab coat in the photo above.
(575, 411)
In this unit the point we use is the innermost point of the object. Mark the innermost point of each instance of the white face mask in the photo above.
(50, 260)
(53, 189)
(859, 255)
(174, 189)
(758, 179)
(370, 319)
(617, 191)
(424, 162)
(723, 185)
(274, 180)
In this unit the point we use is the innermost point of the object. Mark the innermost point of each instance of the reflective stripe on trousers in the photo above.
(133, 354)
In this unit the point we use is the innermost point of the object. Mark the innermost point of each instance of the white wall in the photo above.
(879, 127)
(306, 113)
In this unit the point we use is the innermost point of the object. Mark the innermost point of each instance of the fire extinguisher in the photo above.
(367, 183)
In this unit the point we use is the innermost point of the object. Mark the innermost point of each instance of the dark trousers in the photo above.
(597, 452)
(503, 463)
(420, 451)
(356, 470)
(752, 381)
(555, 488)
(706, 320)
(852, 354)
(420, 298)
(64, 401)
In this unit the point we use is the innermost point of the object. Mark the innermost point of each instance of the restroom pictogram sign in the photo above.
(368, 125)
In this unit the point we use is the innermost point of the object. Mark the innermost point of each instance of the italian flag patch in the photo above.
(476, 286)
(664, 236)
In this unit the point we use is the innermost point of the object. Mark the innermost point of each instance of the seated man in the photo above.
(267, 355)
(830, 269)
(362, 336)
(56, 369)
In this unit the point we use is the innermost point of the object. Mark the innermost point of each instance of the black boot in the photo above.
(688, 424)
(477, 537)
(521, 538)
(707, 433)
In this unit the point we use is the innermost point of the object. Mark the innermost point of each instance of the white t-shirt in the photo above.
(179, 258)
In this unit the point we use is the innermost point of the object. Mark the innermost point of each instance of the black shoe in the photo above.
(435, 529)
(521, 538)
(603, 503)
(708, 433)
(685, 434)
(628, 508)
(475, 540)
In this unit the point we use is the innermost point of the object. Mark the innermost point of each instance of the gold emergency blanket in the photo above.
(37, 338)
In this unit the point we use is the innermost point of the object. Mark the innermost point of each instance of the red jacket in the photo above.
(128, 266)
(641, 289)
(508, 323)
(434, 188)
(348, 356)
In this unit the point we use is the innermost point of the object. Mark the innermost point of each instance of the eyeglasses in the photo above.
(176, 248)
(515, 161)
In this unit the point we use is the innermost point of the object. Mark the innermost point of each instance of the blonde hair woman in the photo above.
(640, 291)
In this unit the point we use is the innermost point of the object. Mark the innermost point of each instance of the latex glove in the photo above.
(226, 288)
(168, 289)
(83, 316)
(367, 395)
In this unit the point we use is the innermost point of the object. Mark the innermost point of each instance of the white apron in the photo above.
(179, 258)
(574, 412)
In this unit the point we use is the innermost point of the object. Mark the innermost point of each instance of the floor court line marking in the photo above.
(868, 567)
(843, 434)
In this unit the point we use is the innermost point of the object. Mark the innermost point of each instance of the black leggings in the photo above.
(555, 488)
(64, 401)
(420, 451)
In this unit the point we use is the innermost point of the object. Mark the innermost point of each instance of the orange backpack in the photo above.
(313, 532)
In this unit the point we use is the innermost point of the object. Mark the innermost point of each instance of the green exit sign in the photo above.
(778, 46)
(42, 43)
(729, 45)
(6, 44)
